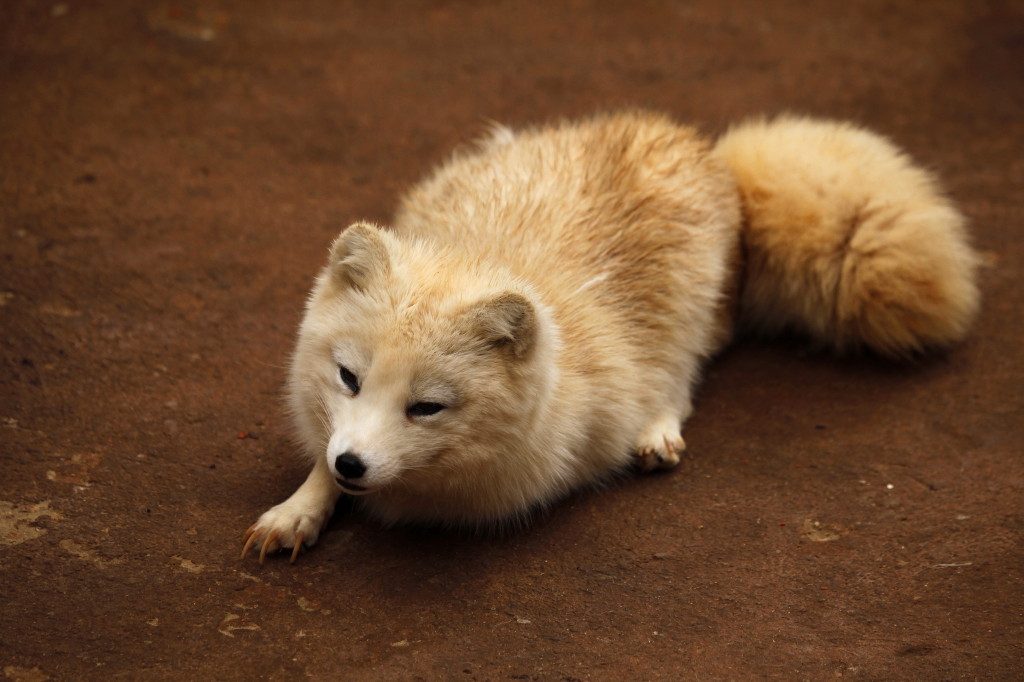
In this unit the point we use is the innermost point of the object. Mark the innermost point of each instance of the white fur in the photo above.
(557, 291)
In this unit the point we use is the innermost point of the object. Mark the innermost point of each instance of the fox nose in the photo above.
(349, 465)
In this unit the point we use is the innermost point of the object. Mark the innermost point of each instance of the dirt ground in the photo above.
(171, 175)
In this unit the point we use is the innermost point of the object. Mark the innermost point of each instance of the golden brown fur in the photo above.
(538, 313)
(847, 240)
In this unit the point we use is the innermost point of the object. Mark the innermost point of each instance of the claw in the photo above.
(249, 538)
(674, 447)
(270, 540)
(298, 546)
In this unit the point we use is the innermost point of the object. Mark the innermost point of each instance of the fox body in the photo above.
(537, 315)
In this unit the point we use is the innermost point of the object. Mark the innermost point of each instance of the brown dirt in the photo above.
(170, 177)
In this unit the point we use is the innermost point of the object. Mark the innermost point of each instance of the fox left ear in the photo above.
(359, 255)
(508, 321)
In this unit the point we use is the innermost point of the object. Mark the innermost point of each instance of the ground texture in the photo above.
(171, 175)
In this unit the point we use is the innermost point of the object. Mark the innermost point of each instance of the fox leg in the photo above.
(298, 520)
(661, 441)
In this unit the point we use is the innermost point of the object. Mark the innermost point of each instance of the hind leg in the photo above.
(660, 444)
(661, 441)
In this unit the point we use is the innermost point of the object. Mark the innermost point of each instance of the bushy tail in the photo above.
(847, 240)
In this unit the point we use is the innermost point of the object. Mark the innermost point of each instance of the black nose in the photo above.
(350, 466)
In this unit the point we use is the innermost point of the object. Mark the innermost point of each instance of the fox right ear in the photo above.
(507, 320)
(359, 255)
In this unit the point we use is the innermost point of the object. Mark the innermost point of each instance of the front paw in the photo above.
(286, 525)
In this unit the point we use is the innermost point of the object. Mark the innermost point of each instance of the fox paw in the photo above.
(285, 526)
(660, 447)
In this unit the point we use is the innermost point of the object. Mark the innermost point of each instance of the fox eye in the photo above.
(349, 379)
(423, 409)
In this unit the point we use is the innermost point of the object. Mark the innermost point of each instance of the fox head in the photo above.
(417, 370)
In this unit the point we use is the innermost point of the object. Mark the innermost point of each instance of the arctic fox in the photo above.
(537, 315)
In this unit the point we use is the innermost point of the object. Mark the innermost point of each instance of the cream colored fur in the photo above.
(557, 291)
(847, 240)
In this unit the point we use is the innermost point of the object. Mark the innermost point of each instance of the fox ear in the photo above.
(359, 255)
(507, 321)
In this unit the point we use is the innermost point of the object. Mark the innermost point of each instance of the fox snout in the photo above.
(356, 470)
(349, 466)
